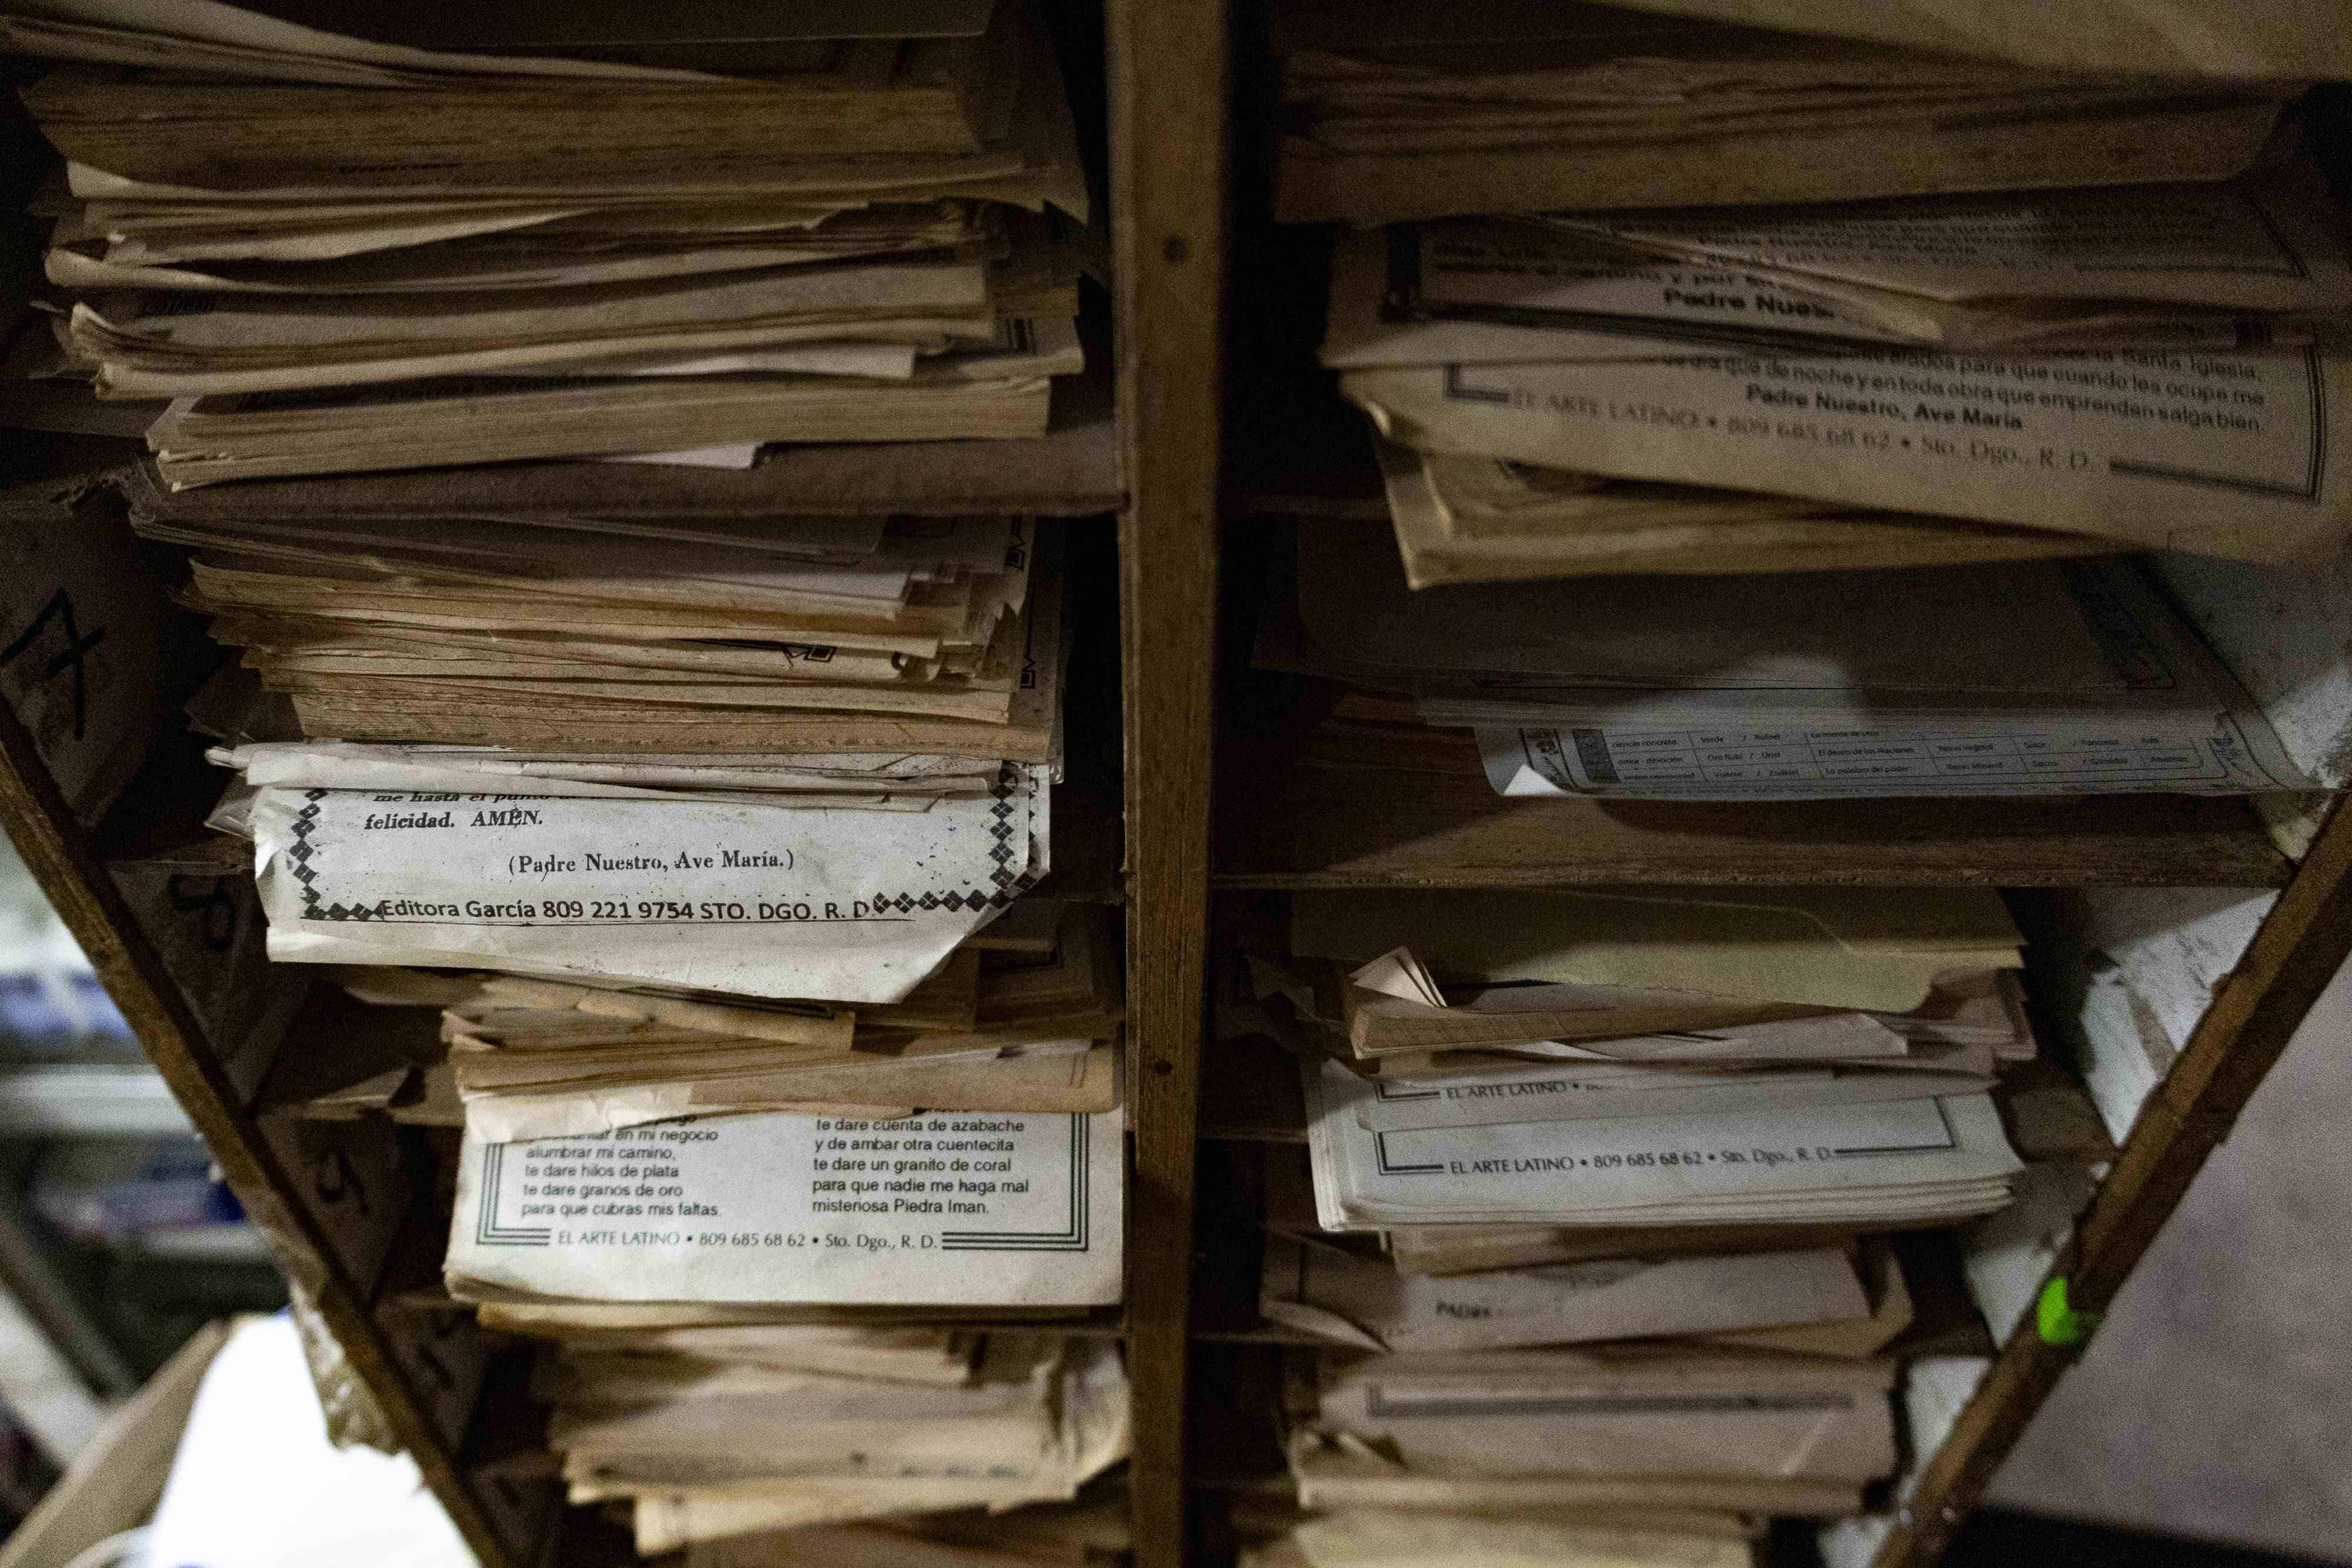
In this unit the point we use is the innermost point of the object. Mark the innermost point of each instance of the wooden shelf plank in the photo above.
(1315, 820)
(1168, 91)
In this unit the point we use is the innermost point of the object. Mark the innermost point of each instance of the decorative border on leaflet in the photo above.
(1010, 883)
(1073, 1237)
(487, 1231)
(305, 856)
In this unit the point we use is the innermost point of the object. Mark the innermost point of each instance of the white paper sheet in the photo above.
(741, 455)
(831, 906)
(952, 1209)
(1884, 1158)
(2216, 452)
(1599, 1091)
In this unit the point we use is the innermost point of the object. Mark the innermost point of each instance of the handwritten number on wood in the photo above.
(433, 1363)
(334, 1179)
(218, 906)
(442, 1327)
(61, 607)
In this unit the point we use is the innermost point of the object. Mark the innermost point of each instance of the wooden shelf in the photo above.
(1293, 817)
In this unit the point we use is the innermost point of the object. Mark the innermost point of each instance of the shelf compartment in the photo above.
(1421, 814)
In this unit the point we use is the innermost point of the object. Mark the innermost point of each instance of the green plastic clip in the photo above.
(2058, 1323)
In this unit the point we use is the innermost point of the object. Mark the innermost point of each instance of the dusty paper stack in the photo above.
(1664, 295)
(672, 922)
(1621, 1435)
(808, 635)
(2051, 373)
(1391, 1538)
(1092, 1533)
(1020, 1017)
(698, 854)
(1413, 109)
(351, 253)
(781, 1443)
(680, 1271)
(1658, 1125)
(1656, 1056)
(2019, 678)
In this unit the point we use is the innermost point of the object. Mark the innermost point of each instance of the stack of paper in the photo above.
(2020, 679)
(748, 1022)
(753, 1312)
(1542, 415)
(803, 862)
(1412, 110)
(816, 635)
(1658, 1057)
(1663, 1125)
(1394, 1538)
(1642, 981)
(737, 1216)
(1643, 1431)
(351, 254)
(677, 852)
(1020, 1025)
(762, 1430)
(1794, 1299)
(1873, 1163)
(1090, 1534)
(1678, 295)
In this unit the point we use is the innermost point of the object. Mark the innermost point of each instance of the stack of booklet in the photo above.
(1673, 1116)
(603, 238)
(2019, 678)
(1658, 295)
(755, 1443)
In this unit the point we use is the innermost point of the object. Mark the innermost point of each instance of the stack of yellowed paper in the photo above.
(1788, 285)
(1590, 1228)
(814, 635)
(1838, 1301)
(1622, 1435)
(1590, 1234)
(1412, 110)
(1090, 1534)
(1497, 981)
(1885, 384)
(789, 1218)
(1658, 1057)
(349, 255)
(882, 702)
(1371, 1537)
(756, 1325)
(1020, 1018)
(722, 1449)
